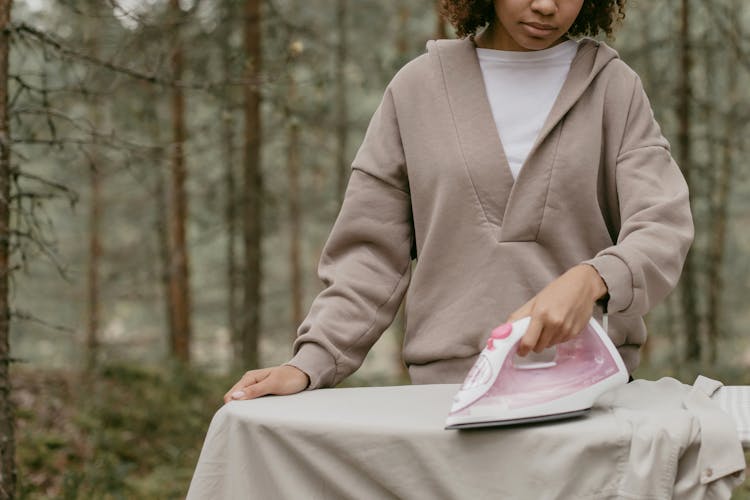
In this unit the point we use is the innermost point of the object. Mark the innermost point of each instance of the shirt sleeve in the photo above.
(365, 264)
(657, 226)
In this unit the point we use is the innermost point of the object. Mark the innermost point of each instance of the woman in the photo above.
(525, 172)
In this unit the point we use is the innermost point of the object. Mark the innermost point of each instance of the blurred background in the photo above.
(175, 167)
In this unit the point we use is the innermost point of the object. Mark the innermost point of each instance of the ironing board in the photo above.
(390, 442)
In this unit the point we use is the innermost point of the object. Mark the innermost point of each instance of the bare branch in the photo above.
(22, 315)
(55, 185)
(48, 40)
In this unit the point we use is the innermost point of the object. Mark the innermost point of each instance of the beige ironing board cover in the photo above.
(647, 439)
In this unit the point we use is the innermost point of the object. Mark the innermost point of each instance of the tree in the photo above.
(7, 442)
(688, 282)
(95, 211)
(228, 159)
(253, 184)
(293, 198)
(440, 28)
(179, 266)
(342, 107)
(720, 195)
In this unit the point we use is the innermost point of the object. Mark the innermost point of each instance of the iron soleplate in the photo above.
(520, 421)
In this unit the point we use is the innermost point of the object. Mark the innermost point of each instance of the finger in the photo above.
(579, 327)
(257, 390)
(255, 376)
(233, 392)
(521, 312)
(531, 336)
(249, 378)
(546, 339)
(564, 333)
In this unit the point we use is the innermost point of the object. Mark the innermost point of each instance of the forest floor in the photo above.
(127, 432)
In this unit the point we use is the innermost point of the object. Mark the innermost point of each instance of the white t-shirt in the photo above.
(521, 88)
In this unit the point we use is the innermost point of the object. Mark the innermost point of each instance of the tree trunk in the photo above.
(253, 189)
(440, 29)
(92, 334)
(7, 439)
(95, 174)
(688, 281)
(161, 229)
(295, 227)
(230, 211)
(648, 79)
(403, 36)
(342, 107)
(179, 266)
(720, 198)
(718, 240)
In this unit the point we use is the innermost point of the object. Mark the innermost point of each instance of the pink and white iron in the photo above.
(504, 389)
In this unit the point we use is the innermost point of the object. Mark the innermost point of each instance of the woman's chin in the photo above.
(528, 42)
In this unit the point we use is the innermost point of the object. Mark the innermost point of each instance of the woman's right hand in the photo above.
(279, 380)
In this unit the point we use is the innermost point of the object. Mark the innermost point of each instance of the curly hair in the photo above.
(467, 16)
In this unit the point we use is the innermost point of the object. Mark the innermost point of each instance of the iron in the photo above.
(503, 388)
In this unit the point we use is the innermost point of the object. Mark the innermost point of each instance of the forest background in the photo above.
(172, 169)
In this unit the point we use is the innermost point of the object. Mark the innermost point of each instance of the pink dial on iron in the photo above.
(502, 331)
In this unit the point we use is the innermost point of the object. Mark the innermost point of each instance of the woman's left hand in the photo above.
(561, 310)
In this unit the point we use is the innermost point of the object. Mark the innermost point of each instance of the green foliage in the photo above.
(124, 432)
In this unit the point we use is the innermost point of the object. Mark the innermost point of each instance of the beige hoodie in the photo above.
(430, 181)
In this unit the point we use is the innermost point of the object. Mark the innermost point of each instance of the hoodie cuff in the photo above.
(618, 278)
(317, 363)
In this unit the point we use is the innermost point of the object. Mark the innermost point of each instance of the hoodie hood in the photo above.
(463, 75)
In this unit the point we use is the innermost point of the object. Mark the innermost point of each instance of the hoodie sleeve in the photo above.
(365, 264)
(657, 227)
